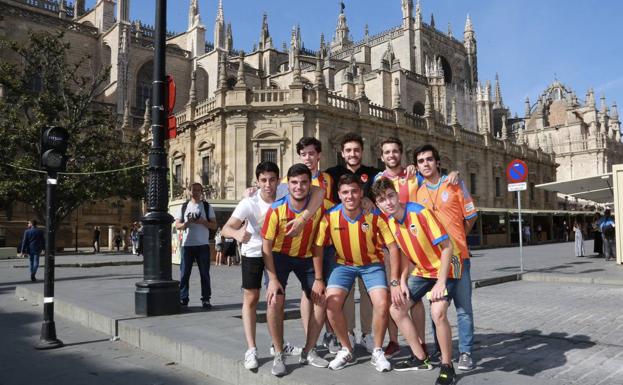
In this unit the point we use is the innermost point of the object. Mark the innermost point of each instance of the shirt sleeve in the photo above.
(386, 234)
(242, 211)
(271, 223)
(323, 234)
(435, 231)
(467, 203)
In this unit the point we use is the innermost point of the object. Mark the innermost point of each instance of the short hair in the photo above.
(348, 178)
(352, 137)
(195, 184)
(299, 169)
(266, 166)
(391, 139)
(308, 141)
(33, 222)
(425, 148)
(380, 186)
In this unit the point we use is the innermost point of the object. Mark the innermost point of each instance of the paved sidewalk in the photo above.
(526, 332)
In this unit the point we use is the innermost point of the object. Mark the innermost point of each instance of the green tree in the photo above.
(40, 88)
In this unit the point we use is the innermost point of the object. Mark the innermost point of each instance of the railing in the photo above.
(472, 137)
(343, 103)
(515, 148)
(180, 118)
(444, 130)
(381, 112)
(415, 121)
(146, 30)
(204, 107)
(497, 143)
(269, 96)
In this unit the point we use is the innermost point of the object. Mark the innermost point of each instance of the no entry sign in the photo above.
(516, 171)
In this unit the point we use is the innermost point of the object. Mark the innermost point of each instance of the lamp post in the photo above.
(157, 293)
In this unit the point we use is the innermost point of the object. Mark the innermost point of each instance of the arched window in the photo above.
(143, 84)
(418, 109)
(447, 70)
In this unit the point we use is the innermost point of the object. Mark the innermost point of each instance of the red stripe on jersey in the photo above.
(287, 241)
(305, 239)
(344, 238)
(422, 219)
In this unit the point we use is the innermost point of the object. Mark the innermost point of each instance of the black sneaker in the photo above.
(435, 357)
(206, 305)
(184, 302)
(413, 363)
(446, 375)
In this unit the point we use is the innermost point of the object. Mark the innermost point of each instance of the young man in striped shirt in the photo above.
(425, 243)
(357, 236)
(285, 254)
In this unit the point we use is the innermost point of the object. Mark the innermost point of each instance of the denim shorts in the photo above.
(343, 276)
(303, 268)
(419, 286)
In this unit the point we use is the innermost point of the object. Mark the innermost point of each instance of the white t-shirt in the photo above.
(195, 234)
(253, 209)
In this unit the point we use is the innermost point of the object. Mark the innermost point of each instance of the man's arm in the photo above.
(274, 288)
(397, 292)
(469, 224)
(296, 225)
(179, 225)
(236, 228)
(437, 292)
(318, 289)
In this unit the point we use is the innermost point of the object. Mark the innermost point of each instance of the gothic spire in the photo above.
(361, 91)
(222, 72)
(396, 102)
(498, 93)
(527, 107)
(192, 94)
(428, 105)
(504, 128)
(318, 77)
(418, 14)
(194, 19)
(454, 120)
(468, 24)
(432, 20)
(603, 107)
(219, 27)
(296, 74)
(240, 79)
(449, 30)
(341, 31)
(229, 39)
(265, 39)
(614, 115)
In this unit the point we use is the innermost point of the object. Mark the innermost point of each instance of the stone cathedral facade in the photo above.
(412, 80)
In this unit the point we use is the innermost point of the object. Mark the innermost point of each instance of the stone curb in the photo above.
(87, 264)
(558, 278)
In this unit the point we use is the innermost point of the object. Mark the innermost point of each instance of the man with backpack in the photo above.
(607, 229)
(195, 219)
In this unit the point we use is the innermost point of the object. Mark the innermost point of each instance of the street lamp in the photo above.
(157, 293)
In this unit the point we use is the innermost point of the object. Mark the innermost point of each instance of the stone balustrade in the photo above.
(342, 103)
(381, 112)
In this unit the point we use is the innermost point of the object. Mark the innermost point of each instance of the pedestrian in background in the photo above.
(33, 243)
(607, 229)
(134, 238)
(118, 240)
(96, 239)
(579, 239)
(218, 246)
(598, 244)
(229, 250)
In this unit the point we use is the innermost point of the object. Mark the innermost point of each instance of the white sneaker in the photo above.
(342, 359)
(379, 361)
(367, 341)
(288, 350)
(250, 359)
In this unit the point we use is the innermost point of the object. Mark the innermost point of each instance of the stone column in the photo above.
(111, 237)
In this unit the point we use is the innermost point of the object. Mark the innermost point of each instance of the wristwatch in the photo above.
(394, 283)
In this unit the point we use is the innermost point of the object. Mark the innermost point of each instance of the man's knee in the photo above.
(251, 297)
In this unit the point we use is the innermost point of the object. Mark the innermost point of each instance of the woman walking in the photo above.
(579, 239)
(598, 245)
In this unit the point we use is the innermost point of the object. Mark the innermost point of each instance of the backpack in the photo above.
(609, 232)
(206, 207)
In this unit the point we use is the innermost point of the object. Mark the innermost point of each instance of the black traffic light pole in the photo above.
(48, 338)
(158, 293)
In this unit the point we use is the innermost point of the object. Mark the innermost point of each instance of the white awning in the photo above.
(596, 188)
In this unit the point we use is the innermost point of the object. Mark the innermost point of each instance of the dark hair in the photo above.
(33, 222)
(299, 169)
(607, 213)
(308, 141)
(391, 139)
(352, 137)
(348, 179)
(425, 148)
(380, 186)
(266, 166)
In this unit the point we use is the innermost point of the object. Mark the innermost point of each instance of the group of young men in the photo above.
(401, 232)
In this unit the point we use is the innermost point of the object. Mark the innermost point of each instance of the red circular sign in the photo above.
(516, 171)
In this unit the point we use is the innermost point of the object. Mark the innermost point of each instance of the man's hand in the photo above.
(273, 289)
(454, 177)
(242, 235)
(398, 296)
(367, 205)
(318, 292)
(411, 171)
(438, 292)
(249, 192)
(295, 226)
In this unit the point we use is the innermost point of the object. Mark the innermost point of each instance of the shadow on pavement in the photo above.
(527, 353)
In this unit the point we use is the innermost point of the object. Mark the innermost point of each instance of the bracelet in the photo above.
(318, 279)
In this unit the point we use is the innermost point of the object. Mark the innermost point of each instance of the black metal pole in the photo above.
(48, 338)
(158, 293)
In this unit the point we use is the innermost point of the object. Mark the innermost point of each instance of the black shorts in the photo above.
(252, 271)
(303, 268)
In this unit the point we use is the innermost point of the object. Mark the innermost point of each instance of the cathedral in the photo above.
(412, 80)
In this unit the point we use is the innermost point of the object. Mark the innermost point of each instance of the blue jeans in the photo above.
(464, 315)
(34, 263)
(343, 277)
(202, 255)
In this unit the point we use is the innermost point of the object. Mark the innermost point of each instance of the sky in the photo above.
(529, 43)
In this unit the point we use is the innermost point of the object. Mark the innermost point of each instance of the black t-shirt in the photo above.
(365, 173)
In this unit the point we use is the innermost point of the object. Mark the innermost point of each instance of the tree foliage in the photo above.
(41, 88)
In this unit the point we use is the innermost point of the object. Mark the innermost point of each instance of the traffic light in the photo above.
(54, 142)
